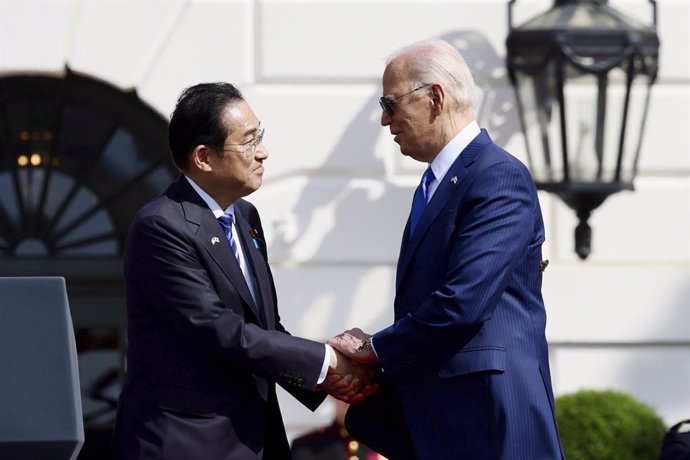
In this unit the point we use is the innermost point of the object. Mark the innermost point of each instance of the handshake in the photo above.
(352, 370)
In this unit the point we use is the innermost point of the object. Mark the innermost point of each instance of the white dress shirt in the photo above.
(448, 154)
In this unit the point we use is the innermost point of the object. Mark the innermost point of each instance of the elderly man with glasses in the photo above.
(205, 342)
(465, 370)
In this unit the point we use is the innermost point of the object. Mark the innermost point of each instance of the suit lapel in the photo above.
(211, 236)
(449, 184)
(251, 245)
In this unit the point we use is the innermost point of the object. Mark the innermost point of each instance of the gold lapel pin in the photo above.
(454, 180)
(215, 240)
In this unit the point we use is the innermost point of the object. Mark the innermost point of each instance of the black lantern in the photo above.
(582, 73)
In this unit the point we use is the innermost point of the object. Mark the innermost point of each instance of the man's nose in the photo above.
(261, 153)
(385, 118)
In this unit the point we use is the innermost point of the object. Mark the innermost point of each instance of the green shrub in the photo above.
(608, 425)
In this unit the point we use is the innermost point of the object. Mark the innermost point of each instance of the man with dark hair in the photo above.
(205, 342)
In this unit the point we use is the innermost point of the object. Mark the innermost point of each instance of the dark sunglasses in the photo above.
(388, 104)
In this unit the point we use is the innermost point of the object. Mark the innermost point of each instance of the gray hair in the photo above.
(438, 61)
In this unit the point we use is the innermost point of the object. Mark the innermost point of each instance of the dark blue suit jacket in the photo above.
(202, 356)
(467, 348)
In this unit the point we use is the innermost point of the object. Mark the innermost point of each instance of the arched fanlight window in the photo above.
(78, 158)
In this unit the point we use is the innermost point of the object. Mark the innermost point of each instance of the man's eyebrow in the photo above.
(253, 130)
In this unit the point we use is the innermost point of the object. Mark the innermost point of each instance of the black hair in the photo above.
(197, 119)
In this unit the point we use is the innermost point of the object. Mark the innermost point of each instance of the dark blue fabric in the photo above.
(202, 357)
(421, 198)
(468, 348)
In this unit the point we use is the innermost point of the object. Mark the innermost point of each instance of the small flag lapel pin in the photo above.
(255, 234)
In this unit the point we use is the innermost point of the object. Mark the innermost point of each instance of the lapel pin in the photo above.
(454, 180)
(254, 233)
(215, 240)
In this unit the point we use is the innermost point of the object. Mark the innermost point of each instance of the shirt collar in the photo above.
(210, 202)
(448, 154)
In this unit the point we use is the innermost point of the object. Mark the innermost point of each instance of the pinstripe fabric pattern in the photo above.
(203, 358)
(468, 347)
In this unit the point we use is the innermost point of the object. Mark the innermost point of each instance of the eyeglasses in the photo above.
(248, 148)
(388, 104)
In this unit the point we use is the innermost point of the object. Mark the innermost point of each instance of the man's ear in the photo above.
(438, 98)
(200, 158)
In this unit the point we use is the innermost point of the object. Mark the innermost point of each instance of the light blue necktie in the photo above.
(421, 196)
(226, 221)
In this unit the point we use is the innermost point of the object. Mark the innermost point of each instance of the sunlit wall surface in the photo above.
(337, 191)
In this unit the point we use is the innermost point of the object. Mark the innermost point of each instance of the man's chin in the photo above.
(414, 155)
(252, 187)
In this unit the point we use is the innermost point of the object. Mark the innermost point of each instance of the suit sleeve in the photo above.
(489, 240)
(308, 398)
(163, 268)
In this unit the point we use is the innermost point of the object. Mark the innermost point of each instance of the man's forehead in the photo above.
(394, 87)
(238, 109)
(396, 73)
(240, 117)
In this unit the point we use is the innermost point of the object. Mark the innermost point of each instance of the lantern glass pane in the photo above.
(586, 134)
(541, 120)
(595, 111)
(637, 110)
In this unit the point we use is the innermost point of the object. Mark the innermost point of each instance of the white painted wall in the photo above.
(337, 192)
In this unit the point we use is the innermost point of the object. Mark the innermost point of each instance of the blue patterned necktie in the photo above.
(226, 221)
(421, 196)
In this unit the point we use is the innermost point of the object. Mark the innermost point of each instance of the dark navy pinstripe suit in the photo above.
(468, 349)
(203, 358)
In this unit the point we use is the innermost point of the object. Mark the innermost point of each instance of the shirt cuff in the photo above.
(326, 362)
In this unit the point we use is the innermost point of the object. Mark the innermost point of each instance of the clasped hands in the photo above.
(352, 369)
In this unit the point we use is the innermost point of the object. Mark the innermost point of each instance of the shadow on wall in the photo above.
(367, 217)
